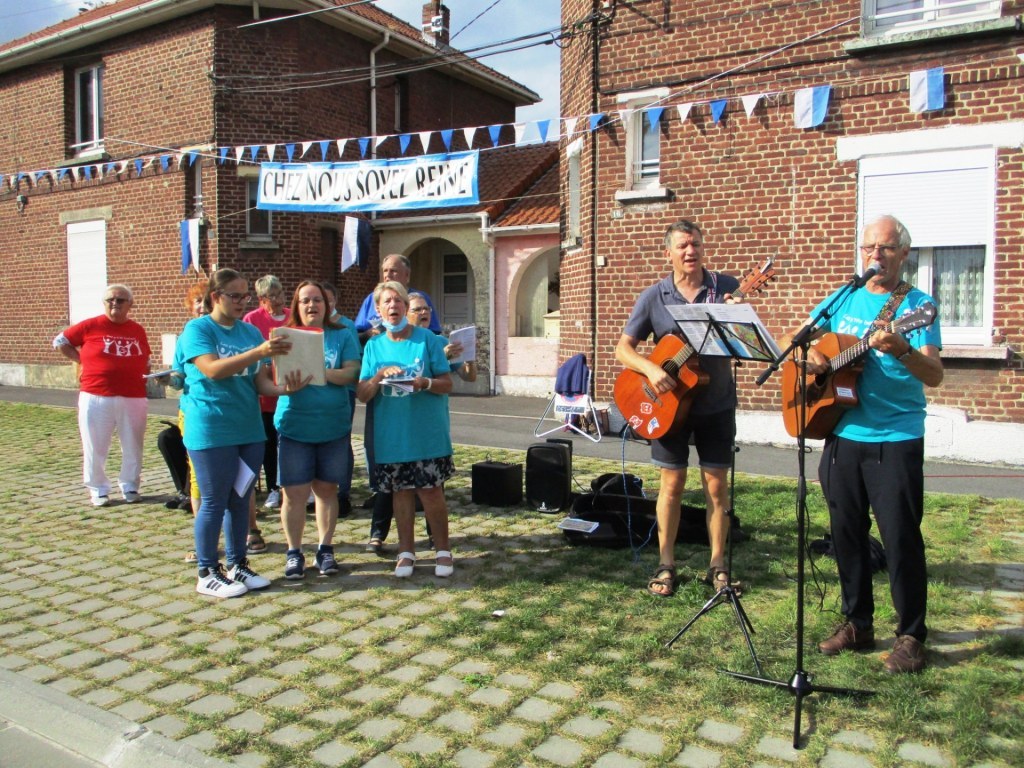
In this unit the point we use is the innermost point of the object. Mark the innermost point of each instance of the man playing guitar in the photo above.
(711, 418)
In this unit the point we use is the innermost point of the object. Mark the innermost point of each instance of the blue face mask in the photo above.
(395, 327)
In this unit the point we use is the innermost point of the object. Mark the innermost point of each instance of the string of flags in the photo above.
(810, 108)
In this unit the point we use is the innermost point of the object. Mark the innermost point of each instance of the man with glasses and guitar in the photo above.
(668, 397)
(873, 425)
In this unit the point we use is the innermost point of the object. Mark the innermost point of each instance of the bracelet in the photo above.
(430, 383)
(906, 354)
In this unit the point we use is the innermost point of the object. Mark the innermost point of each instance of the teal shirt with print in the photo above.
(220, 412)
(319, 414)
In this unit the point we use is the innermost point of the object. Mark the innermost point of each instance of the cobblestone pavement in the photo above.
(359, 669)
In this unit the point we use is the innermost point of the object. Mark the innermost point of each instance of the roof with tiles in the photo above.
(538, 205)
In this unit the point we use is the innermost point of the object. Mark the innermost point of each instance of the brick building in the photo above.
(112, 124)
(761, 186)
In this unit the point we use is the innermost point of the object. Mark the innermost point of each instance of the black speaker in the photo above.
(497, 484)
(549, 476)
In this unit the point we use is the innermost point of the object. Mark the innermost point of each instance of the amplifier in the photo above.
(497, 484)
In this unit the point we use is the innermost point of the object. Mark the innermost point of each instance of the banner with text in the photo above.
(431, 181)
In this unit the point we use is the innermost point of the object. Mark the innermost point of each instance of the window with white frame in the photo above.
(947, 202)
(88, 110)
(883, 17)
(257, 223)
(643, 137)
(574, 232)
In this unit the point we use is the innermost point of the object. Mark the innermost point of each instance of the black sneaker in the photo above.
(214, 582)
(325, 562)
(294, 566)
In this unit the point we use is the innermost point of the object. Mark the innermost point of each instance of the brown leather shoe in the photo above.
(907, 656)
(848, 638)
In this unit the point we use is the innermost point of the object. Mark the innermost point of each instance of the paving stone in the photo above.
(432, 658)
(422, 744)
(260, 632)
(249, 721)
(473, 758)
(406, 674)
(289, 699)
(135, 710)
(505, 735)
(722, 733)
(80, 659)
(457, 720)
(214, 704)
(168, 725)
(292, 668)
(558, 691)
(780, 749)
(138, 620)
(334, 753)
(123, 644)
(331, 716)
(639, 740)
(175, 693)
(13, 661)
(536, 710)
(328, 652)
(325, 628)
(470, 667)
(102, 697)
(216, 675)
(111, 669)
(559, 750)
(68, 684)
(257, 655)
(368, 693)
(292, 735)
(857, 739)
(492, 697)
(694, 756)
(204, 741)
(415, 706)
(617, 760)
(922, 753)
(839, 758)
(379, 728)
(382, 761)
(154, 653)
(586, 727)
(96, 636)
(256, 686)
(186, 664)
(365, 662)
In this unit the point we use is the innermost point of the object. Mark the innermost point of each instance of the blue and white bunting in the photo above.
(718, 109)
(810, 105)
(927, 90)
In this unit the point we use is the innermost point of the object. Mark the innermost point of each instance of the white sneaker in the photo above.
(100, 501)
(132, 497)
(243, 574)
(273, 500)
(216, 584)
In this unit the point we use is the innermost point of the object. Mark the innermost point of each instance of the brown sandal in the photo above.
(668, 581)
(718, 578)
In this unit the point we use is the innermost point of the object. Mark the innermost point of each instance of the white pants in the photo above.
(98, 417)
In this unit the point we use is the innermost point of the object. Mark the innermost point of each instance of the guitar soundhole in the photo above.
(671, 369)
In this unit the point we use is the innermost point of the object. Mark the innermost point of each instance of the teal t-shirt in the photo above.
(224, 411)
(320, 414)
(891, 401)
(408, 426)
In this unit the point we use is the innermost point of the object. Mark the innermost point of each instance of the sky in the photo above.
(535, 67)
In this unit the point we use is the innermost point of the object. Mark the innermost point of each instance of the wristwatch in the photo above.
(906, 354)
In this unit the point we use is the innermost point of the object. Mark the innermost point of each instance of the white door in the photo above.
(87, 268)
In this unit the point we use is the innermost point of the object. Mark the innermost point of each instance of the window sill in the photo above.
(259, 245)
(644, 195)
(967, 352)
(881, 43)
(89, 156)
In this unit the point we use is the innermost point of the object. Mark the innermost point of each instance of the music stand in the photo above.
(733, 331)
(800, 683)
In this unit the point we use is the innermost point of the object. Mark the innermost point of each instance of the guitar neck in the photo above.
(855, 352)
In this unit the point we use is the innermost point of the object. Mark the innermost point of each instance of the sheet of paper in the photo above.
(244, 478)
(158, 374)
(467, 338)
(746, 335)
(306, 355)
(403, 383)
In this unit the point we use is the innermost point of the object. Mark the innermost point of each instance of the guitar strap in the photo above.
(888, 311)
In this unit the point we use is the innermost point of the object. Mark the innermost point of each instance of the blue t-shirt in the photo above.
(651, 316)
(224, 411)
(408, 426)
(369, 316)
(891, 400)
(320, 414)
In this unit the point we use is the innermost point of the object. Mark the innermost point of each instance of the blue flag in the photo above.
(810, 105)
(927, 90)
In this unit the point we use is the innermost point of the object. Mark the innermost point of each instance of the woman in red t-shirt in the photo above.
(114, 356)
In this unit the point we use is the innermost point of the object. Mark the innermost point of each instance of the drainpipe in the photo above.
(485, 231)
(373, 88)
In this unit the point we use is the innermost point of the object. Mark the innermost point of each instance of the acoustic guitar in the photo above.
(651, 414)
(833, 392)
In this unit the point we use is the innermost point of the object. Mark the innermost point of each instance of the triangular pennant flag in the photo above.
(927, 89)
(165, 161)
(542, 130)
(150, 160)
(239, 151)
(750, 102)
(469, 134)
(403, 142)
(109, 167)
(222, 153)
(654, 117)
(192, 158)
(61, 173)
(718, 109)
(684, 110)
(810, 105)
(570, 126)
(363, 144)
(179, 159)
(425, 140)
(138, 166)
(76, 173)
(39, 176)
(323, 149)
(254, 152)
(121, 166)
(355, 244)
(289, 150)
(625, 115)
(271, 148)
(495, 132)
(595, 120)
(189, 244)
(340, 143)
(446, 137)
(87, 172)
(520, 131)
(305, 148)
(378, 140)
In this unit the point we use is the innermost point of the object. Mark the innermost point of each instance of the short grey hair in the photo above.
(267, 284)
(390, 285)
(402, 259)
(902, 233)
(683, 225)
(119, 287)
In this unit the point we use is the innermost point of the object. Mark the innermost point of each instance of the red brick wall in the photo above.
(759, 186)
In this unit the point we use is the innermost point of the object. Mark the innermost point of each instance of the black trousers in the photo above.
(888, 478)
(270, 451)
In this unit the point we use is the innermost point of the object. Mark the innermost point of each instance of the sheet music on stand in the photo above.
(725, 330)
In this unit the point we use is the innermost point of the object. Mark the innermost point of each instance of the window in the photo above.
(642, 114)
(574, 233)
(892, 16)
(88, 111)
(257, 222)
(456, 310)
(947, 201)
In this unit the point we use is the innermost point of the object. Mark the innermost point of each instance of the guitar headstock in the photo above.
(757, 278)
(921, 317)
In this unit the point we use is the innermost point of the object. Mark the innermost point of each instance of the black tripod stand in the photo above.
(800, 684)
(728, 593)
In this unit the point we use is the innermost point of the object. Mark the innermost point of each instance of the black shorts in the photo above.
(713, 435)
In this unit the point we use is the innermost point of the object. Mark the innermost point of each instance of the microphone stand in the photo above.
(800, 684)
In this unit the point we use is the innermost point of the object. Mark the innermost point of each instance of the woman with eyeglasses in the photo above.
(113, 353)
(405, 376)
(222, 361)
(314, 428)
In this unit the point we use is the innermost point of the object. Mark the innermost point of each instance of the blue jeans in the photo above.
(216, 470)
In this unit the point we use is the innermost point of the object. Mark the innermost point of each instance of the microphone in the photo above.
(873, 269)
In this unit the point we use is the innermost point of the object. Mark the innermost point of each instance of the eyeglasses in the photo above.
(116, 300)
(888, 249)
(237, 296)
(312, 300)
(420, 310)
(276, 296)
